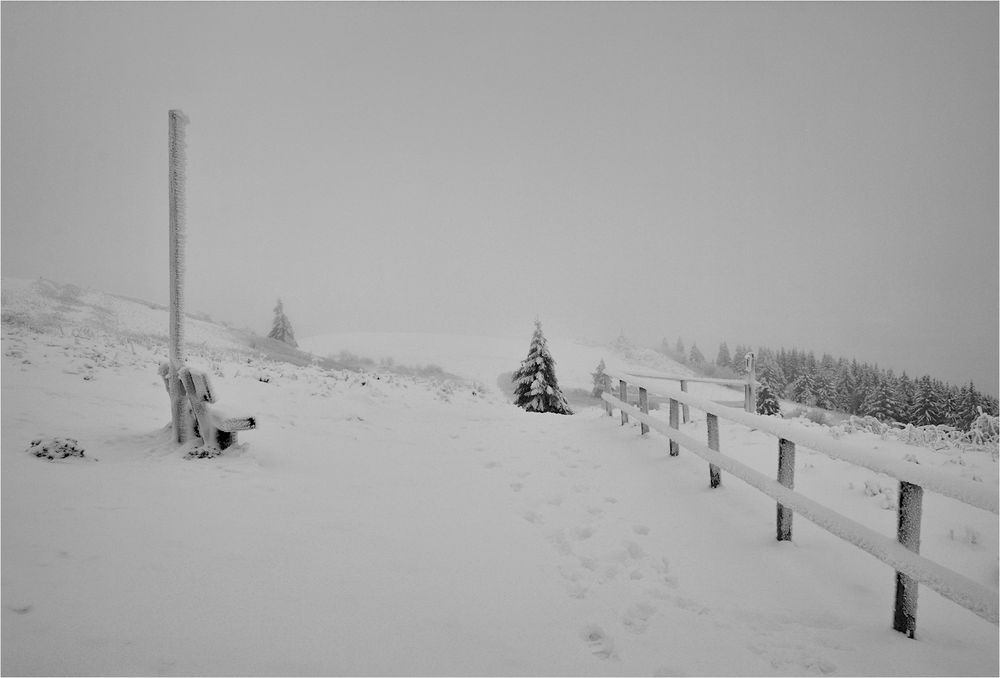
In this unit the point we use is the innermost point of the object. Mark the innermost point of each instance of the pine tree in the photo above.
(282, 329)
(696, 358)
(679, 347)
(925, 410)
(769, 370)
(767, 401)
(823, 389)
(847, 398)
(803, 390)
(767, 391)
(904, 395)
(965, 410)
(536, 388)
(600, 380)
(738, 360)
(723, 359)
(879, 402)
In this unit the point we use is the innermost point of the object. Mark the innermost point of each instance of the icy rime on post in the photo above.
(177, 158)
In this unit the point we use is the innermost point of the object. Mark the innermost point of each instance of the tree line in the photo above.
(846, 385)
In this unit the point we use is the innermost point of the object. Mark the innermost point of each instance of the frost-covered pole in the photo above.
(750, 390)
(177, 122)
(786, 476)
(674, 448)
(623, 394)
(644, 406)
(607, 387)
(910, 509)
(712, 422)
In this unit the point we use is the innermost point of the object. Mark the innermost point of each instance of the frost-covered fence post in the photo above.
(786, 476)
(607, 387)
(910, 509)
(674, 447)
(177, 157)
(687, 412)
(623, 395)
(644, 406)
(750, 390)
(714, 479)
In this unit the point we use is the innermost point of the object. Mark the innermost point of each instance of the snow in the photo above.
(381, 524)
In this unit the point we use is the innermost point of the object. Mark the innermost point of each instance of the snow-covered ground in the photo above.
(377, 523)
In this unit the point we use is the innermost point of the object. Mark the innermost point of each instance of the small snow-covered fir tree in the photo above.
(696, 357)
(767, 401)
(767, 392)
(600, 380)
(536, 388)
(282, 328)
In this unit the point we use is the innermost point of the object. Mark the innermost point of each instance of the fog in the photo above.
(816, 175)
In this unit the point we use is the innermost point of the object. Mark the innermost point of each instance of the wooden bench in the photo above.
(214, 426)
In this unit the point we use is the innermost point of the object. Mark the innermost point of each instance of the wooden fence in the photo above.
(902, 553)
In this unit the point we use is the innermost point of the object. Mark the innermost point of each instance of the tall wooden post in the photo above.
(177, 159)
(714, 477)
(910, 509)
(750, 390)
(687, 412)
(674, 448)
(786, 476)
(644, 406)
(623, 396)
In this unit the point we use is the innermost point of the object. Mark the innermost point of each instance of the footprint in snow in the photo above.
(600, 644)
(636, 618)
(634, 551)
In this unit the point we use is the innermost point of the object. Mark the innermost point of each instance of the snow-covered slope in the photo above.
(486, 360)
(383, 524)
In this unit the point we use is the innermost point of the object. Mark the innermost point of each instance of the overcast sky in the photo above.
(817, 175)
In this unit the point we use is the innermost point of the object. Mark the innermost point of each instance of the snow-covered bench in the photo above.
(216, 427)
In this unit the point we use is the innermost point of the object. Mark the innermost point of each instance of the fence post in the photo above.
(674, 448)
(687, 413)
(607, 387)
(908, 533)
(750, 390)
(786, 476)
(714, 478)
(623, 396)
(644, 406)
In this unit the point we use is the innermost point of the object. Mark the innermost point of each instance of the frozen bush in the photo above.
(56, 448)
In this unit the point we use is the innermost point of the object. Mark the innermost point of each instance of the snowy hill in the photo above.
(389, 523)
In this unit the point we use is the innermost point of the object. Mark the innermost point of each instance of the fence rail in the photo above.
(901, 553)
